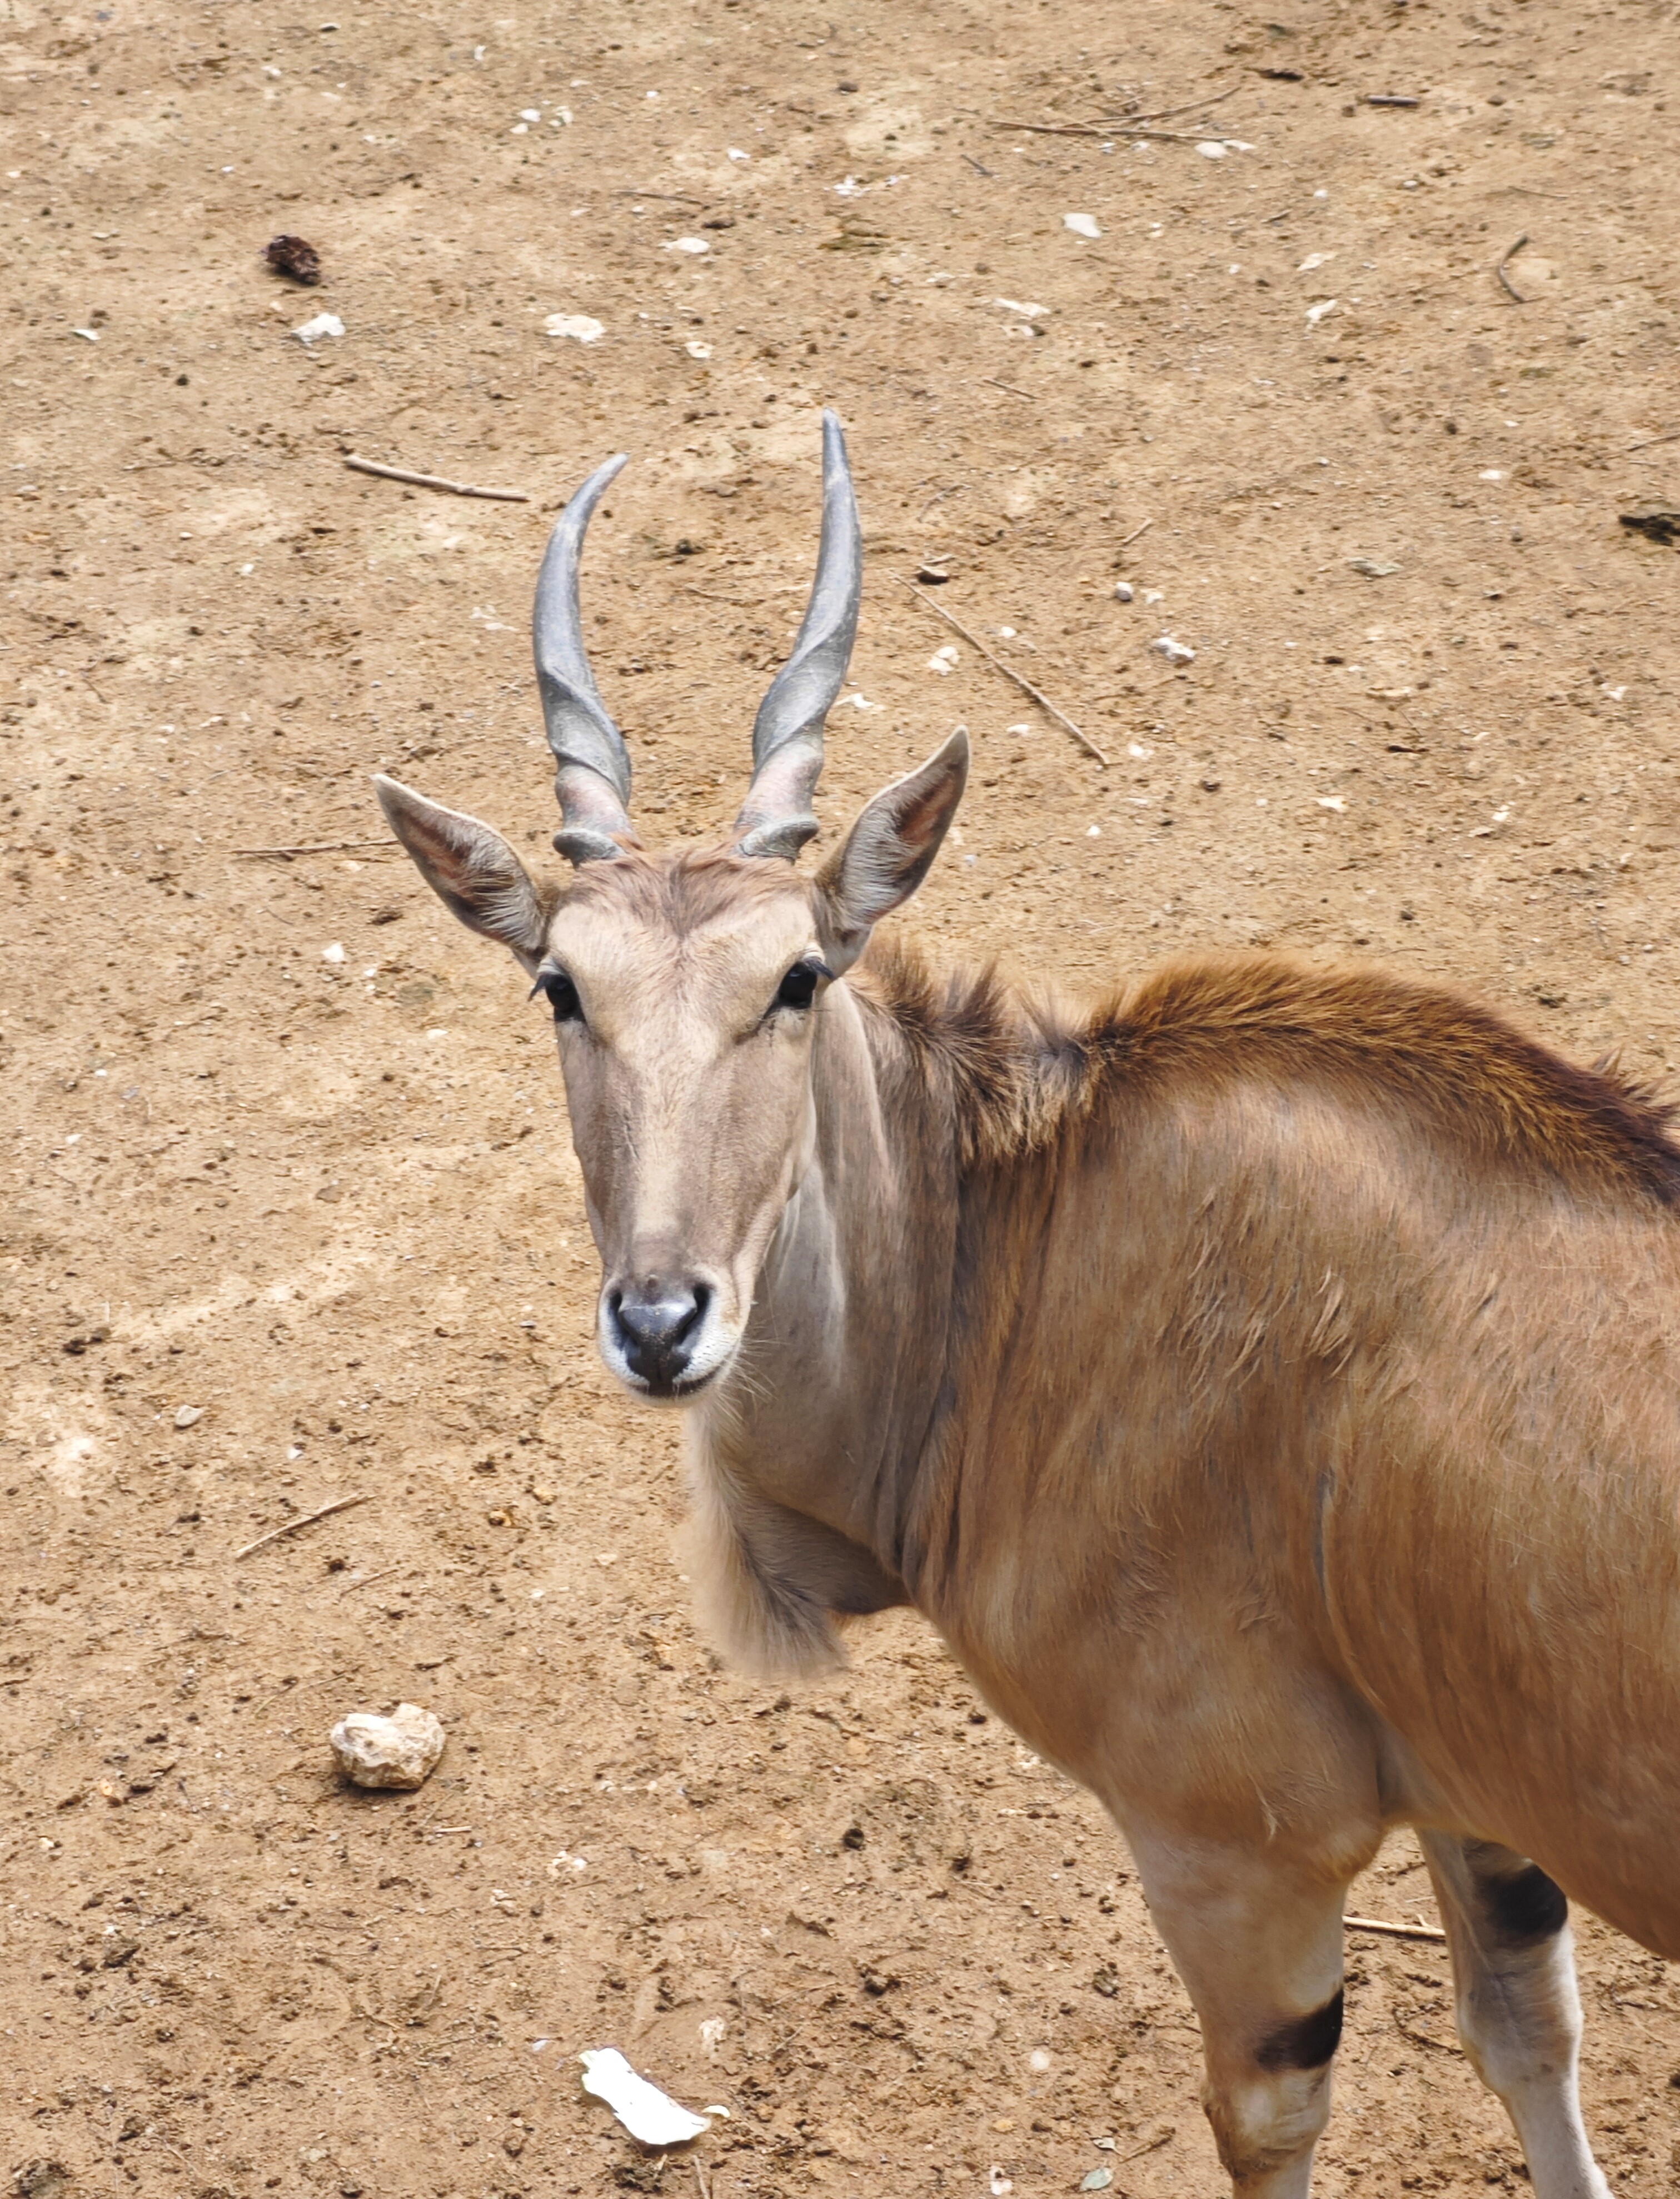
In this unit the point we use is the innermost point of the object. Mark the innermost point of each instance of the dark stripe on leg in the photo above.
(1524, 1909)
(1307, 2043)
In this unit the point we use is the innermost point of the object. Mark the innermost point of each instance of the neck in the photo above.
(806, 1462)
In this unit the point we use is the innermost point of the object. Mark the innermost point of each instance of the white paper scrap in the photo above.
(649, 2115)
(324, 324)
(581, 328)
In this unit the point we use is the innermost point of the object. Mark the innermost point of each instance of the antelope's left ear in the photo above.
(888, 851)
(472, 870)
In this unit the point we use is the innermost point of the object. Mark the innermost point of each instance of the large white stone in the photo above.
(399, 1751)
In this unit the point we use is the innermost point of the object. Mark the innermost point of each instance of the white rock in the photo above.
(1211, 150)
(1081, 224)
(697, 350)
(324, 324)
(1122, 591)
(1316, 313)
(187, 1415)
(696, 245)
(1175, 652)
(399, 1751)
(579, 326)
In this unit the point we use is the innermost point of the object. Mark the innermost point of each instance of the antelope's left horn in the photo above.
(591, 778)
(776, 818)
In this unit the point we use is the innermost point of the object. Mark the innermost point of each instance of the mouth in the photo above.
(681, 1391)
(715, 1356)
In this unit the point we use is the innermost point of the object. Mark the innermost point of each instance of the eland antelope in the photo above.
(1265, 1379)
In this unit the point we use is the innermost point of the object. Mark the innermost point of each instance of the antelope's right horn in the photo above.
(591, 778)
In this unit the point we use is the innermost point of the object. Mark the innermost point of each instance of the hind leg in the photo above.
(1258, 1939)
(1519, 2013)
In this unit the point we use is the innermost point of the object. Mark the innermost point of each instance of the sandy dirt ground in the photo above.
(290, 1212)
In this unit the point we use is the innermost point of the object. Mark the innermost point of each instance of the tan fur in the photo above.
(1267, 1380)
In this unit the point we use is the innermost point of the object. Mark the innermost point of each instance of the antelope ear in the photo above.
(888, 851)
(472, 870)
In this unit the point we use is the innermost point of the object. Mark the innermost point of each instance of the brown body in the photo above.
(1282, 1354)
(1267, 1382)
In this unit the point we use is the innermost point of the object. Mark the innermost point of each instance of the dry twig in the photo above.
(1126, 541)
(1025, 685)
(1105, 130)
(368, 1580)
(1651, 442)
(308, 1519)
(1191, 107)
(1010, 386)
(1505, 283)
(1391, 99)
(1161, 2138)
(317, 848)
(435, 480)
(1392, 1931)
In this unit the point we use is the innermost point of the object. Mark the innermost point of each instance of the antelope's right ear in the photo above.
(888, 851)
(472, 870)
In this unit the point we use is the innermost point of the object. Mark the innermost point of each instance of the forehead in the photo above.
(715, 915)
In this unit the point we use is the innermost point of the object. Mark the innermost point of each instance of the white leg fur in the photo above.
(1519, 2013)
(1258, 1944)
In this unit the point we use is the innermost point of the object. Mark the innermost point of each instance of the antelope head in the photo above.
(687, 988)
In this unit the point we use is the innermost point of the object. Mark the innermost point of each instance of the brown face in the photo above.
(684, 995)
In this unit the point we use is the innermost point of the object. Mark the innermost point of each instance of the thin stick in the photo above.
(977, 167)
(671, 198)
(1391, 99)
(1153, 2146)
(1504, 279)
(342, 1504)
(384, 1573)
(1393, 1931)
(314, 847)
(1651, 442)
(1166, 114)
(1093, 129)
(1025, 685)
(703, 2179)
(435, 480)
(1134, 533)
(1010, 386)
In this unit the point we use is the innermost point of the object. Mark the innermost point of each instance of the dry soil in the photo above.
(291, 1213)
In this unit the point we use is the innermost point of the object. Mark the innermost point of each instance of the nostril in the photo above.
(658, 1318)
(697, 1313)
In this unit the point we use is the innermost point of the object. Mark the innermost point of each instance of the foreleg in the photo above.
(1257, 1941)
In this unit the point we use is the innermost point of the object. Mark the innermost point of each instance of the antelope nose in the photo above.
(657, 1324)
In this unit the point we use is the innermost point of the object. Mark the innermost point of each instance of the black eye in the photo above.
(799, 988)
(561, 995)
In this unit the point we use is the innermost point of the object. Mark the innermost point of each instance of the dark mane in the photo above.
(1018, 1070)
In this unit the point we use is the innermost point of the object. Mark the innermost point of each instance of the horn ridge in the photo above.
(776, 819)
(592, 780)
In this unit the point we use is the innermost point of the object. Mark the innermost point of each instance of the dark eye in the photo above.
(799, 988)
(561, 995)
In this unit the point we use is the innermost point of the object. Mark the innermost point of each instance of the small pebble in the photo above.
(185, 1415)
(1081, 224)
(1123, 591)
(1175, 652)
(399, 1751)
